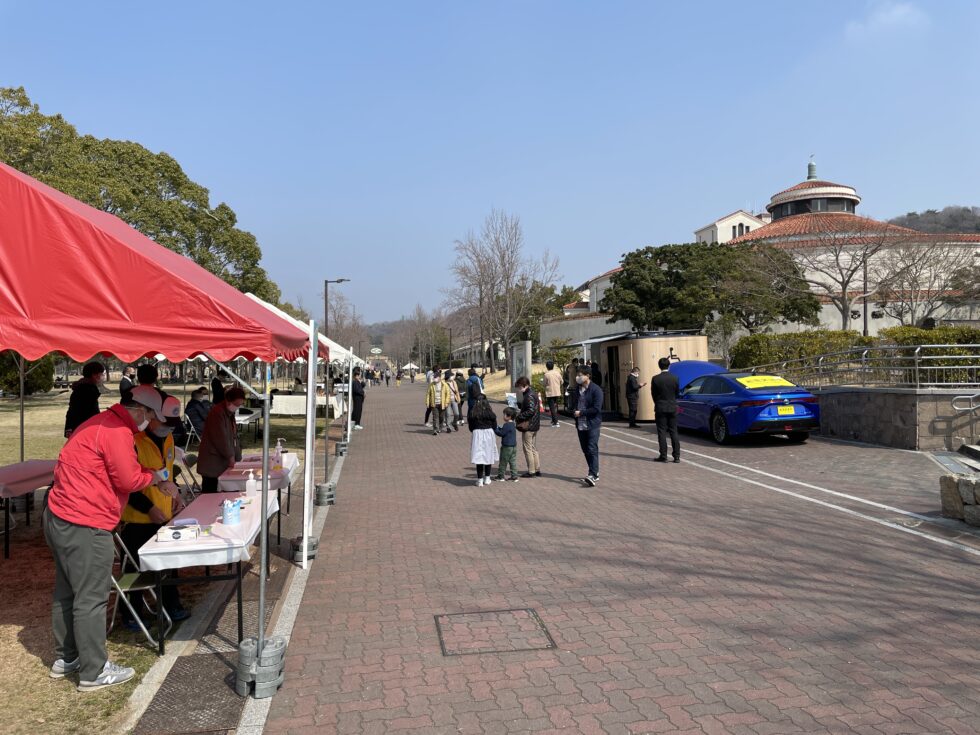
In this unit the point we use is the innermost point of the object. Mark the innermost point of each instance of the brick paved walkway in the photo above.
(680, 599)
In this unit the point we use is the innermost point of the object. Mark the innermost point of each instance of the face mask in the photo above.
(579, 379)
(163, 431)
(232, 408)
(142, 425)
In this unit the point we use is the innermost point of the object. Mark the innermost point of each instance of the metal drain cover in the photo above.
(197, 696)
(492, 631)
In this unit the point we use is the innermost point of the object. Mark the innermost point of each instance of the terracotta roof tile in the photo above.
(798, 226)
(811, 184)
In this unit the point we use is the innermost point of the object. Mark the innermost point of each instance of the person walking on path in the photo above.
(430, 373)
(571, 390)
(474, 389)
(84, 401)
(588, 422)
(529, 423)
(633, 386)
(437, 401)
(508, 445)
(482, 422)
(552, 390)
(665, 389)
(96, 471)
(454, 398)
(461, 391)
(357, 408)
(387, 377)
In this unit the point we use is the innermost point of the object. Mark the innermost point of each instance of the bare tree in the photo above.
(917, 278)
(839, 265)
(497, 278)
(346, 328)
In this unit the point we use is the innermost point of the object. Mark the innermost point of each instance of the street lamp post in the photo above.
(326, 383)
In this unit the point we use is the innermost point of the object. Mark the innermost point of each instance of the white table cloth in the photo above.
(233, 480)
(23, 477)
(225, 545)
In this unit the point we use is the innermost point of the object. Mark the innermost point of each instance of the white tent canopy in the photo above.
(337, 353)
(410, 366)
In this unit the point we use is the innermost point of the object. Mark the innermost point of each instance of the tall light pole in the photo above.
(326, 381)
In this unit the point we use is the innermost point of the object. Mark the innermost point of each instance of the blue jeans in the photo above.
(589, 440)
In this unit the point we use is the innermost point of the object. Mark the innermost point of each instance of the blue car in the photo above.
(727, 404)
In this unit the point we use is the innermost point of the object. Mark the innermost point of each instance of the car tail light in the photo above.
(807, 399)
(761, 402)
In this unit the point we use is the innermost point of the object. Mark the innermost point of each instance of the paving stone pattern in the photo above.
(680, 600)
(494, 631)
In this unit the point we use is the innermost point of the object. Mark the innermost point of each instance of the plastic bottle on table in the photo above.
(251, 485)
(277, 457)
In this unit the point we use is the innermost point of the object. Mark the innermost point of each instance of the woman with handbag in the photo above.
(528, 423)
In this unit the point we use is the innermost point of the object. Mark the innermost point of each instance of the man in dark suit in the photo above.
(633, 386)
(665, 389)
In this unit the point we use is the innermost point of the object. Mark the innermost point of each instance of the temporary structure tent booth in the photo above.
(79, 281)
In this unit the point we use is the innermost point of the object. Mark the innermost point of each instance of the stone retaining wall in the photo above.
(905, 418)
(960, 497)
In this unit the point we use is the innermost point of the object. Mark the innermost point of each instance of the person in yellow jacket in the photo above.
(437, 399)
(150, 508)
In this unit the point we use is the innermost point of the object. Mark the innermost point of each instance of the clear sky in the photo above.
(359, 139)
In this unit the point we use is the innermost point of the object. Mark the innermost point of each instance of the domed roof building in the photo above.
(858, 266)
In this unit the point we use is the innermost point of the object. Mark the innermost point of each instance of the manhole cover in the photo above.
(492, 631)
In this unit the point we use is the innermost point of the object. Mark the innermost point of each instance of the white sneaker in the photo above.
(358, 427)
(479, 482)
(61, 667)
(110, 676)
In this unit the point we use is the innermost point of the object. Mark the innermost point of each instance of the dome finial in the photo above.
(811, 170)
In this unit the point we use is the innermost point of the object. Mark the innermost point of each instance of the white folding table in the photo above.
(233, 480)
(224, 545)
(21, 479)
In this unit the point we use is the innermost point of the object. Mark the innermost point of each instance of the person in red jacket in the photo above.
(95, 473)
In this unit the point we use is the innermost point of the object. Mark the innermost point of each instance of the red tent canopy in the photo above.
(79, 281)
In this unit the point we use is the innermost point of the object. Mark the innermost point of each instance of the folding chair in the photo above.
(129, 579)
(183, 475)
(191, 432)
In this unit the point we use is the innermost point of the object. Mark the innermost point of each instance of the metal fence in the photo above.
(923, 366)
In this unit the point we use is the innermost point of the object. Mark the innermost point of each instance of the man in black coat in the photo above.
(665, 389)
(633, 386)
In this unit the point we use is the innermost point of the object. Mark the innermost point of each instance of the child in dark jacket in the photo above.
(508, 444)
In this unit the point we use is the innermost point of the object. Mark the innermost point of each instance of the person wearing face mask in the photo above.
(357, 406)
(96, 471)
(633, 386)
(84, 401)
(528, 424)
(437, 401)
(588, 421)
(151, 508)
(220, 447)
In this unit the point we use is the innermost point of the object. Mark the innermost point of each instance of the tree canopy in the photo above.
(683, 286)
(149, 191)
(948, 219)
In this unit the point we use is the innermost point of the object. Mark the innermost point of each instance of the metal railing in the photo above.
(923, 366)
(972, 403)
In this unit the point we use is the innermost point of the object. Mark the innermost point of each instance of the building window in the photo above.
(741, 229)
(747, 228)
(733, 232)
(818, 205)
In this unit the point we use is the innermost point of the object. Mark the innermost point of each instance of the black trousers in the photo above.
(358, 408)
(209, 484)
(667, 423)
(632, 406)
(553, 408)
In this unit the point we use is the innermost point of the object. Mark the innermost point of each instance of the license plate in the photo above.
(785, 410)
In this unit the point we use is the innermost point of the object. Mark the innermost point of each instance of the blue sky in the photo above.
(360, 139)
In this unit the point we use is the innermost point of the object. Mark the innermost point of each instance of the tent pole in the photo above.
(350, 392)
(20, 365)
(310, 439)
(264, 528)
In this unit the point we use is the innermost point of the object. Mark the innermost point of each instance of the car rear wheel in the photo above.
(798, 436)
(719, 428)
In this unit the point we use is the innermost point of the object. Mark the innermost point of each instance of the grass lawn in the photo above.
(32, 702)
